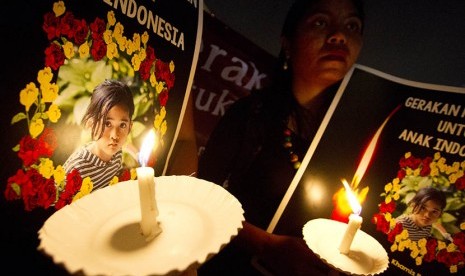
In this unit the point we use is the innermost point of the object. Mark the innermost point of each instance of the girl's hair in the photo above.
(105, 96)
(426, 194)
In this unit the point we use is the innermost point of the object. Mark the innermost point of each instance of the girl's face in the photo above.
(115, 132)
(427, 214)
(327, 43)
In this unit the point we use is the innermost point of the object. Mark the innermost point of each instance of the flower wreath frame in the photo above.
(40, 183)
(416, 173)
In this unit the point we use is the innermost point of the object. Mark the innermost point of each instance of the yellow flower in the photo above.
(136, 39)
(49, 92)
(171, 66)
(145, 37)
(114, 180)
(107, 37)
(28, 95)
(112, 50)
(59, 8)
(46, 168)
(118, 33)
(86, 186)
(54, 113)
(111, 18)
(59, 174)
(45, 75)
(68, 49)
(36, 127)
(84, 50)
(418, 260)
(133, 174)
(164, 127)
(135, 61)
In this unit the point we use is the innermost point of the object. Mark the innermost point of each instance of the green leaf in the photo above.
(448, 218)
(16, 148)
(18, 117)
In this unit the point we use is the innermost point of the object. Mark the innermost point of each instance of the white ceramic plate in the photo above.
(99, 234)
(366, 257)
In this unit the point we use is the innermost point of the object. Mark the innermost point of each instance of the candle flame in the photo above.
(369, 152)
(354, 204)
(147, 146)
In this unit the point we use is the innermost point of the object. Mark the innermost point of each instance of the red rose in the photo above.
(98, 49)
(460, 183)
(387, 207)
(50, 25)
(97, 27)
(54, 56)
(394, 232)
(163, 97)
(81, 31)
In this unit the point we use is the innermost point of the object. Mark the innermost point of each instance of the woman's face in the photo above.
(115, 132)
(427, 214)
(327, 43)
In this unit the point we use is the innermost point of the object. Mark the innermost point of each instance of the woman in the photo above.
(258, 144)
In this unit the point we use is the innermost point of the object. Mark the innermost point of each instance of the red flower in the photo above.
(54, 56)
(459, 240)
(98, 49)
(50, 25)
(73, 184)
(460, 183)
(401, 174)
(37, 191)
(81, 30)
(381, 223)
(67, 24)
(410, 162)
(394, 232)
(387, 207)
(144, 69)
(163, 97)
(425, 169)
(97, 27)
(125, 175)
(30, 149)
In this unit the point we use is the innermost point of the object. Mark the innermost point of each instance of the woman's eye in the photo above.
(320, 23)
(354, 26)
(123, 125)
(107, 124)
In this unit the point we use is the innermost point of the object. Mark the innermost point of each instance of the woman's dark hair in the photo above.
(105, 96)
(426, 194)
(300, 9)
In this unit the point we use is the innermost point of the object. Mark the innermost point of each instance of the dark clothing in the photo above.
(246, 155)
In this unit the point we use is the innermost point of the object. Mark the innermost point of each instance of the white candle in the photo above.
(355, 221)
(146, 179)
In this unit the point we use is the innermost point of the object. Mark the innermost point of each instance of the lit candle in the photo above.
(355, 220)
(146, 179)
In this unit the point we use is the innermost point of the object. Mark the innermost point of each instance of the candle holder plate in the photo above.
(99, 234)
(366, 256)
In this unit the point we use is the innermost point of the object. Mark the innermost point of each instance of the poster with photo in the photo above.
(388, 138)
(152, 46)
(55, 53)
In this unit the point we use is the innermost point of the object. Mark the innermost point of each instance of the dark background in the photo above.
(420, 40)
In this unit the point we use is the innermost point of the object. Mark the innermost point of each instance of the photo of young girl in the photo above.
(426, 208)
(108, 117)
